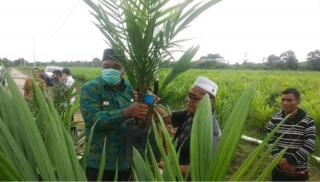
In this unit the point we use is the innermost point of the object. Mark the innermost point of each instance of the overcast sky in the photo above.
(62, 29)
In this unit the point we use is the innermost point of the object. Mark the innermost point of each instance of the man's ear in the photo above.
(123, 73)
(213, 102)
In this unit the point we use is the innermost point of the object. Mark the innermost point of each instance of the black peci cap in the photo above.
(109, 54)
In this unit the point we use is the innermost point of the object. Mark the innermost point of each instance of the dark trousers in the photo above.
(92, 174)
(280, 176)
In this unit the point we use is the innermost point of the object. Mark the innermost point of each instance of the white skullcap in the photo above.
(207, 85)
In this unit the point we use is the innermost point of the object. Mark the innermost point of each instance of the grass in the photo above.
(268, 86)
(246, 148)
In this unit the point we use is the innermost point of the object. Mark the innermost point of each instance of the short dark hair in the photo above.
(292, 91)
(57, 72)
(66, 71)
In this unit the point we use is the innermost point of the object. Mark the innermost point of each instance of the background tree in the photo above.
(289, 59)
(216, 57)
(314, 60)
(96, 62)
(20, 62)
(273, 61)
(6, 62)
(211, 61)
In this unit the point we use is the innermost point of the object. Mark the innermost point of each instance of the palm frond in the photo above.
(143, 32)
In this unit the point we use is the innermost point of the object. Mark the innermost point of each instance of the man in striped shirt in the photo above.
(298, 136)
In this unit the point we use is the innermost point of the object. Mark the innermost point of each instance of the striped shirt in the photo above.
(298, 136)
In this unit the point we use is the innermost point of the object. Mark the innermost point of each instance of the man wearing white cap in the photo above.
(183, 119)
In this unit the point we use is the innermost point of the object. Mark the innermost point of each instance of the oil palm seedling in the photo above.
(144, 34)
(28, 154)
(206, 162)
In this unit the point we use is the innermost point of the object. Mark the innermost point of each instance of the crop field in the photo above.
(268, 86)
(266, 100)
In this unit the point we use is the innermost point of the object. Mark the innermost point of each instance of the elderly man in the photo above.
(298, 136)
(108, 101)
(183, 119)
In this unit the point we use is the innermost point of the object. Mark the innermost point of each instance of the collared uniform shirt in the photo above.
(98, 103)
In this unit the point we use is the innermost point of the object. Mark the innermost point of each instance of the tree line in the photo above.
(285, 61)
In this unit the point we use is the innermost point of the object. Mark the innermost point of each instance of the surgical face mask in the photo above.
(111, 76)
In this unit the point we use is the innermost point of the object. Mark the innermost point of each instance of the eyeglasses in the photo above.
(194, 98)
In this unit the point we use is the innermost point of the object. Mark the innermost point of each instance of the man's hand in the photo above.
(165, 114)
(136, 110)
(161, 164)
(184, 168)
(162, 112)
(286, 166)
(135, 96)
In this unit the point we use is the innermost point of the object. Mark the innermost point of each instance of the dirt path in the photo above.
(19, 78)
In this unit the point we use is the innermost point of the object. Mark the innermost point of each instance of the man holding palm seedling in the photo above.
(298, 136)
(108, 101)
(183, 119)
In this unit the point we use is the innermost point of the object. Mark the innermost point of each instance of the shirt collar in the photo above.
(298, 116)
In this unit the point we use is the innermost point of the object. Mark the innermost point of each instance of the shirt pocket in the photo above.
(125, 101)
(106, 104)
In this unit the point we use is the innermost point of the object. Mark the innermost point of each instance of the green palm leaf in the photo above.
(143, 32)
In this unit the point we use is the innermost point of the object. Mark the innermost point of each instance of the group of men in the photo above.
(108, 102)
(61, 82)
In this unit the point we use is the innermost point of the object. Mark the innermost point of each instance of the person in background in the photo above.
(46, 78)
(27, 88)
(59, 95)
(67, 78)
(108, 101)
(69, 83)
(183, 119)
(298, 136)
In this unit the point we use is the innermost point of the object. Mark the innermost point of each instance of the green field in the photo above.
(268, 86)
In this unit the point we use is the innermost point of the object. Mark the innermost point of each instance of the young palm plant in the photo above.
(28, 152)
(144, 33)
(207, 163)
